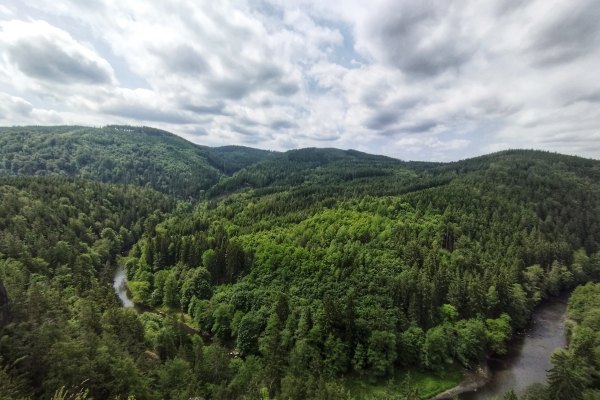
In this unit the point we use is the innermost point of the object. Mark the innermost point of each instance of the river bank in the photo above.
(472, 381)
(526, 362)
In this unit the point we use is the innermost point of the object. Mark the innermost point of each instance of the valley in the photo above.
(311, 273)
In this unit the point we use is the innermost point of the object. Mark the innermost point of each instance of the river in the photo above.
(528, 359)
(120, 285)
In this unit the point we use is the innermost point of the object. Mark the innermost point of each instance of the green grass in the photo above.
(428, 384)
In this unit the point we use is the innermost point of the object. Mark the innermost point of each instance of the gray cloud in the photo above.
(143, 113)
(183, 59)
(244, 130)
(217, 108)
(382, 119)
(244, 80)
(49, 54)
(593, 97)
(420, 38)
(570, 35)
(45, 60)
(282, 124)
(11, 106)
(249, 136)
(231, 89)
(415, 128)
(385, 116)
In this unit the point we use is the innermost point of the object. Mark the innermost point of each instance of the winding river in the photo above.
(529, 355)
(120, 285)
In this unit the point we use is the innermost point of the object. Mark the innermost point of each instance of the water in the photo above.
(120, 285)
(529, 355)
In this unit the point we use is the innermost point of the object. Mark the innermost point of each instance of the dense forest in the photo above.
(281, 275)
(121, 154)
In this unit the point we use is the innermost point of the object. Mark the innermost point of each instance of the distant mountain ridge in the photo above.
(146, 156)
(121, 154)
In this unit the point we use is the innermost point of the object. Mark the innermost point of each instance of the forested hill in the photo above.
(309, 166)
(121, 154)
(332, 276)
(310, 274)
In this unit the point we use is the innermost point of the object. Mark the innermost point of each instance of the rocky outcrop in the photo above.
(4, 306)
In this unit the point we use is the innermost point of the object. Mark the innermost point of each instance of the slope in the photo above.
(120, 154)
(312, 166)
(366, 276)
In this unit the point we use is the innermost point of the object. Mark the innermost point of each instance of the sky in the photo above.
(419, 80)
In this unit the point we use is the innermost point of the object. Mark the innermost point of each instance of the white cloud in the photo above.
(46, 54)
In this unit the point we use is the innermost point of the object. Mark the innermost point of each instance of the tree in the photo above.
(270, 348)
(436, 348)
(222, 317)
(470, 341)
(210, 262)
(518, 306)
(336, 359)
(174, 379)
(359, 361)
(510, 395)
(497, 333)
(248, 333)
(568, 377)
(171, 293)
(381, 352)
(448, 313)
(410, 346)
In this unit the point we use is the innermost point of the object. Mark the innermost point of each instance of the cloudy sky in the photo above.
(426, 79)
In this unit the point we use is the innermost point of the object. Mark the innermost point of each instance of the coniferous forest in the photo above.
(307, 274)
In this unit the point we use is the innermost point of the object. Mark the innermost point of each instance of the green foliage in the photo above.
(121, 154)
(498, 332)
(568, 376)
(577, 369)
(574, 373)
(298, 270)
(381, 352)
(60, 242)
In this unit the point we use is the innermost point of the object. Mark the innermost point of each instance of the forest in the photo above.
(295, 275)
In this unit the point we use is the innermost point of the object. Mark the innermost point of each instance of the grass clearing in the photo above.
(427, 384)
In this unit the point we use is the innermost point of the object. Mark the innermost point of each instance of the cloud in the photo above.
(183, 59)
(11, 105)
(422, 80)
(571, 33)
(209, 108)
(16, 110)
(142, 105)
(46, 53)
(422, 39)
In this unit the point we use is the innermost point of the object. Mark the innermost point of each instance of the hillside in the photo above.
(312, 166)
(121, 154)
(426, 267)
(308, 273)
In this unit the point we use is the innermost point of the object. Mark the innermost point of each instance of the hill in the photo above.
(308, 273)
(312, 166)
(121, 154)
(426, 266)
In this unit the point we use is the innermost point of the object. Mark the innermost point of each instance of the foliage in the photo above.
(299, 271)
(121, 154)
(575, 371)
